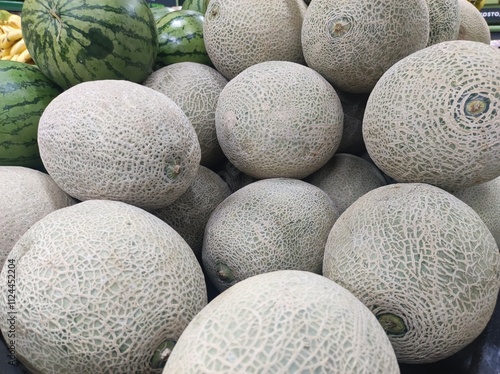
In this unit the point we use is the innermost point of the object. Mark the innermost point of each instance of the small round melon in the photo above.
(268, 225)
(26, 195)
(101, 286)
(473, 26)
(353, 42)
(284, 322)
(119, 140)
(278, 119)
(195, 88)
(433, 117)
(444, 19)
(423, 262)
(242, 33)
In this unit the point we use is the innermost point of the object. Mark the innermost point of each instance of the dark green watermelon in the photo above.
(196, 5)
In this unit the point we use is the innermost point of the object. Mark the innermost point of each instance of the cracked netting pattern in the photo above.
(485, 200)
(284, 322)
(189, 214)
(239, 34)
(416, 125)
(26, 195)
(418, 252)
(444, 18)
(118, 140)
(353, 106)
(272, 224)
(267, 126)
(195, 88)
(99, 285)
(345, 178)
(353, 42)
(473, 25)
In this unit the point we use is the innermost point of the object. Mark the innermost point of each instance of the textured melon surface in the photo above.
(444, 18)
(423, 262)
(353, 42)
(473, 25)
(26, 195)
(99, 286)
(119, 140)
(272, 224)
(189, 214)
(284, 322)
(267, 127)
(433, 117)
(242, 33)
(195, 88)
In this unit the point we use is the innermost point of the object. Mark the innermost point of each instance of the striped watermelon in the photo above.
(24, 93)
(84, 40)
(160, 11)
(180, 38)
(196, 5)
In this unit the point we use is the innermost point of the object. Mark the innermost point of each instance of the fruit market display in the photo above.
(249, 186)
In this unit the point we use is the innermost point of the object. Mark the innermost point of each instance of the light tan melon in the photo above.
(353, 106)
(423, 262)
(444, 17)
(473, 26)
(118, 140)
(267, 127)
(195, 88)
(242, 33)
(99, 287)
(189, 214)
(345, 178)
(26, 195)
(433, 117)
(268, 225)
(283, 322)
(353, 42)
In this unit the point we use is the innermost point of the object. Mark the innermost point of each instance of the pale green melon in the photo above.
(268, 225)
(423, 262)
(100, 286)
(195, 88)
(283, 322)
(353, 42)
(433, 117)
(242, 33)
(444, 17)
(118, 140)
(26, 195)
(473, 26)
(268, 128)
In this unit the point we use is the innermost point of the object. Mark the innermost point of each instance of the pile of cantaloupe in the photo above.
(320, 199)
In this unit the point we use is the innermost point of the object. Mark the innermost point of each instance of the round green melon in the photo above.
(25, 93)
(83, 40)
(196, 5)
(160, 11)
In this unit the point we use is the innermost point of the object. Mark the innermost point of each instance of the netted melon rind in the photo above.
(473, 25)
(281, 322)
(421, 123)
(444, 19)
(99, 285)
(417, 252)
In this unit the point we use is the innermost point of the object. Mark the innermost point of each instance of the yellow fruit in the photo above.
(17, 47)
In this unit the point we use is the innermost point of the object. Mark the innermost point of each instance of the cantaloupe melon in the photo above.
(423, 262)
(119, 140)
(26, 195)
(242, 33)
(444, 17)
(101, 287)
(268, 225)
(195, 88)
(473, 25)
(353, 42)
(284, 322)
(278, 119)
(433, 117)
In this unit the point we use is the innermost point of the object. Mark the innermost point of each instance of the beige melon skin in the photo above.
(118, 140)
(473, 26)
(444, 18)
(242, 33)
(284, 322)
(195, 88)
(433, 117)
(423, 262)
(268, 225)
(279, 119)
(99, 286)
(27, 195)
(353, 42)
